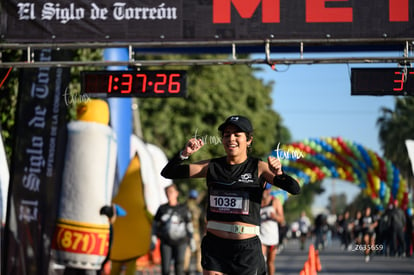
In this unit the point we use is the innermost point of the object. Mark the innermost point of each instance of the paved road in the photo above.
(334, 261)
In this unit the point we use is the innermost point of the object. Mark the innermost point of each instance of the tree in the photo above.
(337, 203)
(8, 100)
(9, 90)
(396, 126)
(359, 203)
(296, 204)
(214, 93)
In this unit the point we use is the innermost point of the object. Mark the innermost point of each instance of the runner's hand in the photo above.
(192, 146)
(274, 165)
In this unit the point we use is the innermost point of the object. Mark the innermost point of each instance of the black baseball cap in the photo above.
(243, 123)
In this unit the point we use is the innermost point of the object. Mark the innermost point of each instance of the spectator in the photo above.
(321, 228)
(357, 228)
(369, 224)
(383, 230)
(173, 226)
(304, 228)
(196, 214)
(344, 229)
(112, 212)
(409, 233)
(397, 244)
(271, 215)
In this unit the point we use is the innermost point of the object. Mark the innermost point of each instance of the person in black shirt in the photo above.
(235, 185)
(397, 227)
(172, 224)
(357, 228)
(320, 230)
(369, 224)
(344, 229)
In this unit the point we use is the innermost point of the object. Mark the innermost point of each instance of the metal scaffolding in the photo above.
(233, 48)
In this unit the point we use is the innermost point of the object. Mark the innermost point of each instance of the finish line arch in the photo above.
(315, 159)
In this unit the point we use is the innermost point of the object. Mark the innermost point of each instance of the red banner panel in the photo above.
(204, 20)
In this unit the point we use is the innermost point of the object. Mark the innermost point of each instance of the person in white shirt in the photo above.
(271, 215)
(304, 226)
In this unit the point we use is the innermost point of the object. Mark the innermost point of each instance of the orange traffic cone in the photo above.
(311, 259)
(317, 261)
(307, 268)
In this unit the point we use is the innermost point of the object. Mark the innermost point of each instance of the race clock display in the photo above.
(162, 83)
(382, 81)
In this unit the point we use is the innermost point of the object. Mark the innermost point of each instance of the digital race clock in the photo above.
(382, 81)
(162, 83)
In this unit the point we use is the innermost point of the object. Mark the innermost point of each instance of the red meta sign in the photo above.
(188, 20)
(316, 11)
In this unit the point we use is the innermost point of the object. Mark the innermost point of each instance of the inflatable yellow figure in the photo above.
(93, 110)
(81, 235)
(140, 193)
(131, 234)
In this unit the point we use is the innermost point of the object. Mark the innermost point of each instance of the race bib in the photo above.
(225, 202)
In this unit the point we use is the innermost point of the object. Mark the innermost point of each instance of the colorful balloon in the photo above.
(315, 159)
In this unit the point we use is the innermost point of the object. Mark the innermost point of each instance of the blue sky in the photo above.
(315, 101)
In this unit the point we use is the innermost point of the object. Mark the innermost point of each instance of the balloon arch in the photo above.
(315, 159)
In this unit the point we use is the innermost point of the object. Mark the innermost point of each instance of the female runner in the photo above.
(235, 185)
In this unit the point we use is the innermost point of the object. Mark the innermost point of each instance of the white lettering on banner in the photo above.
(31, 180)
(54, 123)
(25, 11)
(38, 121)
(121, 11)
(64, 15)
(39, 90)
(98, 13)
(159, 13)
(36, 144)
(52, 146)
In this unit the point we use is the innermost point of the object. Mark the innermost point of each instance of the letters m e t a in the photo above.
(316, 11)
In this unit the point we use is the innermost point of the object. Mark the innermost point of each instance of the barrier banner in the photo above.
(36, 166)
(202, 20)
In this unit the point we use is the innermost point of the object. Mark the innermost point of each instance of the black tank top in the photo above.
(235, 191)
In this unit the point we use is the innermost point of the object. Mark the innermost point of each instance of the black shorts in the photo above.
(369, 233)
(232, 257)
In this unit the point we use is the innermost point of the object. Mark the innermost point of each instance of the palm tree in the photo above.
(396, 126)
